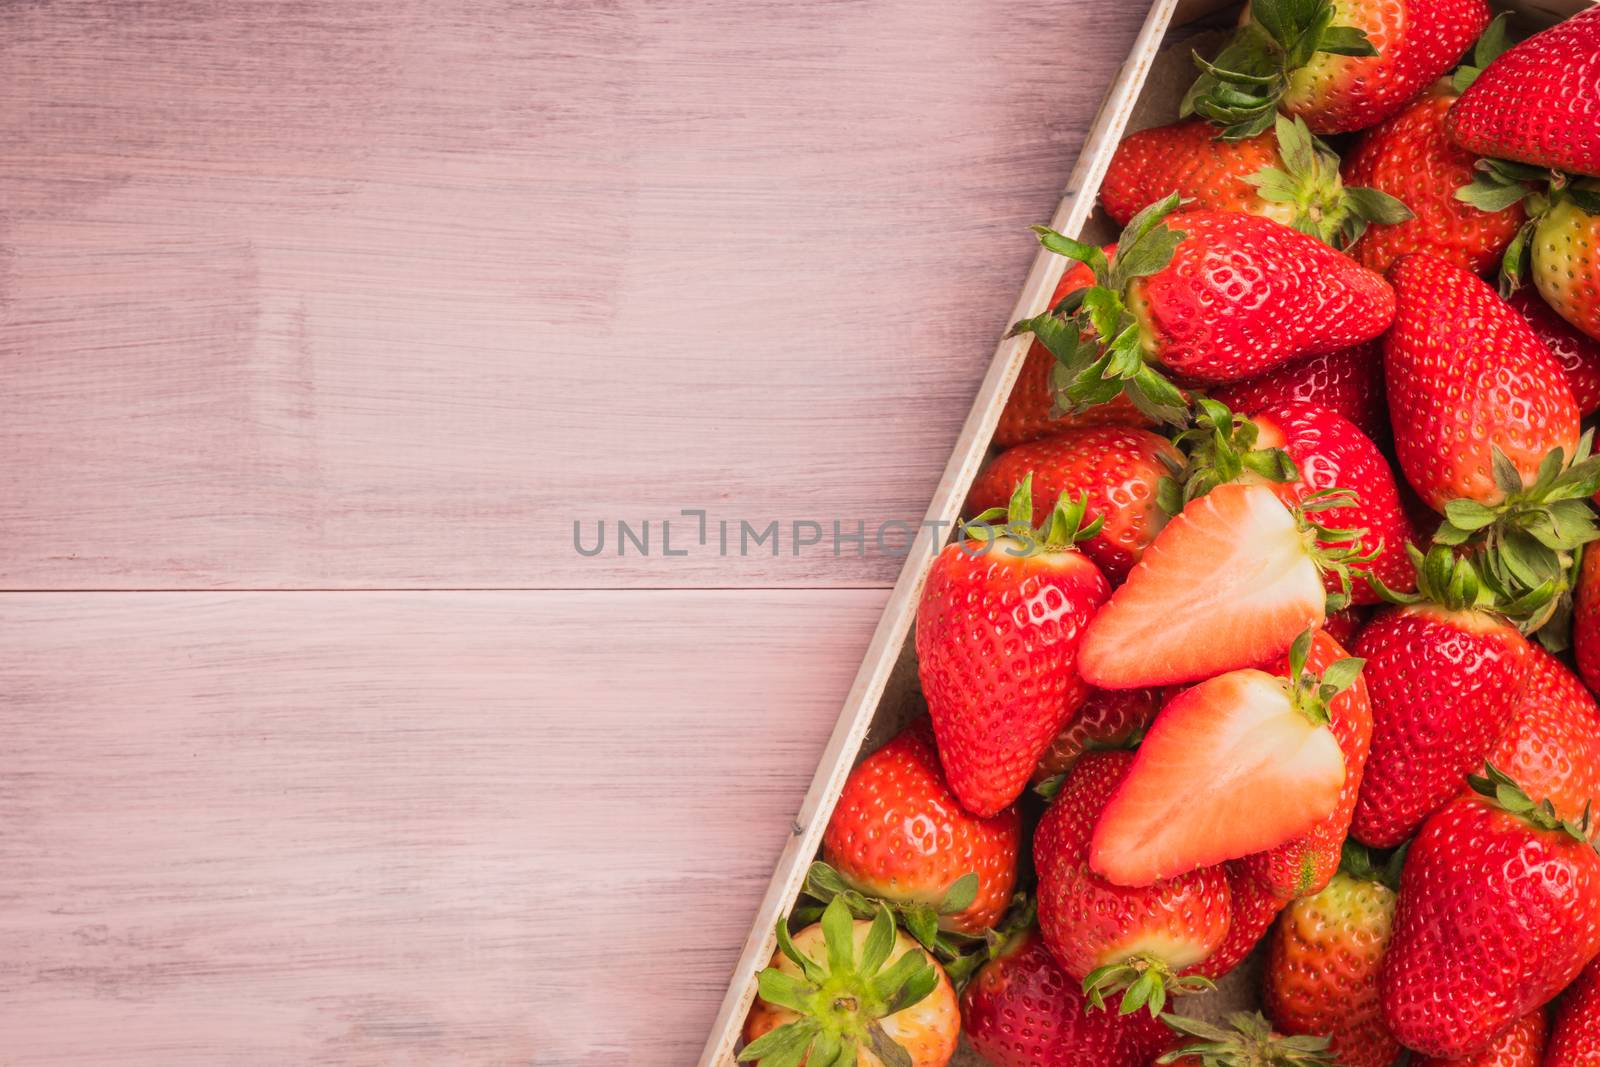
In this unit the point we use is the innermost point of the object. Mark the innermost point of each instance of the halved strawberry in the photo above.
(1236, 765)
(1230, 582)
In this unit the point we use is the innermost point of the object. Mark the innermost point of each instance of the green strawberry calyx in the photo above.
(1503, 791)
(1219, 448)
(1335, 550)
(1365, 865)
(1248, 1041)
(1311, 694)
(1499, 183)
(842, 999)
(1098, 343)
(1240, 89)
(1492, 43)
(1061, 529)
(1144, 980)
(1309, 181)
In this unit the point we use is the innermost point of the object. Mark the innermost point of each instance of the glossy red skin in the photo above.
(1410, 157)
(1520, 1046)
(997, 641)
(1022, 1010)
(1586, 620)
(1575, 1031)
(1495, 918)
(1537, 103)
(1343, 625)
(1303, 865)
(1243, 294)
(1552, 744)
(1321, 974)
(1190, 159)
(1578, 353)
(1118, 466)
(1464, 371)
(1443, 686)
(1082, 916)
(1331, 453)
(900, 834)
(1107, 719)
(1349, 381)
(1253, 909)
(1417, 42)
(1026, 416)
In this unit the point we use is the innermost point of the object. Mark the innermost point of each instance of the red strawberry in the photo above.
(1211, 296)
(843, 984)
(1022, 1010)
(1349, 381)
(1109, 718)
(1248, 1039)
(1466, 375)
(1268, 765)
(1118, 467)
(1586, 621)
(898, 834)
(1285, 175)
(1499, 910)
(1552, 744)
(1578, 354)
(1304, 864)
(1443, 677)
(1252, 910)
(1566, 254)
(1575, 1034)
(1410, 157)
(1343, 625)
(997, 636)
(1341, 65)
(1322, 967)
(1537, 103)
(1520, 1046)
(1252, 573)
(1112, 936)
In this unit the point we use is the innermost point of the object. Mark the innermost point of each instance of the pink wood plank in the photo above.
(396, 828)
(361, 293)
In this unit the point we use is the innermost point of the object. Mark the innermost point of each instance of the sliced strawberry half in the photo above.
(1228, 583)
(1238, 764)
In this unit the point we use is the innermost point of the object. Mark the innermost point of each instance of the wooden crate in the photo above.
(885, 694)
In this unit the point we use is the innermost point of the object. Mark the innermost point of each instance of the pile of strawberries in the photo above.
(1277, 599)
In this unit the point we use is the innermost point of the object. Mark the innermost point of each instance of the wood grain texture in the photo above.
(396, 828)
(352, 293)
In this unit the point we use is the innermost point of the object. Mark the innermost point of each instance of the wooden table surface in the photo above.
(321, 322)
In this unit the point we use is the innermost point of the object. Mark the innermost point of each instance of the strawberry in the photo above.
(1118, 467)
(854, 988)
(1578, 354)
(1537, 103)
(1466, 375)
(1254, 566)
(1109, 718)
(1323, 960)
(1520, 1046)
(1349, 381)
(1272, 766)
(1565, 252)
(1247, 1039)
(1211, 296)
(1113, 937)
(1575, 1032)
(1304, 864)
(997, 635)
(1410, 157)
(1343, 625)
(1499, 909)
(898, 834)
(1252, 910)
(1443, 676)
(1342, 65)
(1586, 621)
(1286, 175)
(1300, 450)
(1552, 744)
(1022, 1010)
